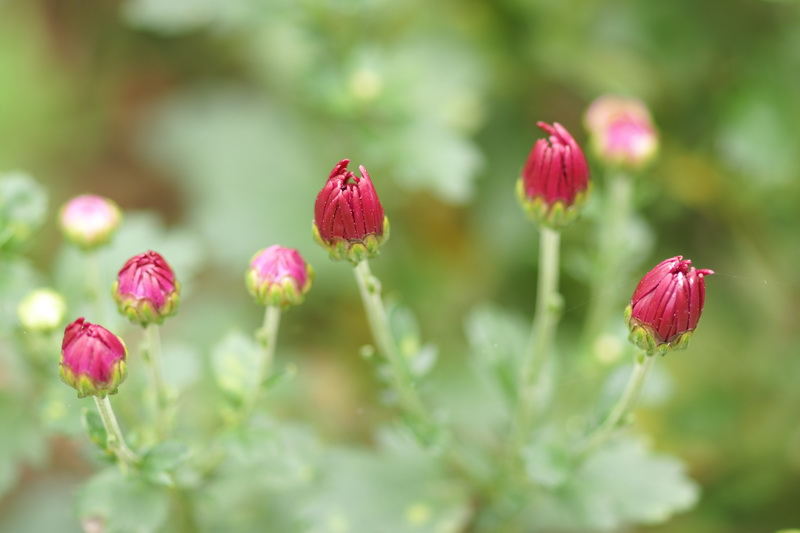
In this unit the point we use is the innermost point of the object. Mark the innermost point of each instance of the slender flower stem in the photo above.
(153, 358)
(624, 405)
(548, 310)
(267, 337)
(115, 440)
(402, 379)
(609, 272)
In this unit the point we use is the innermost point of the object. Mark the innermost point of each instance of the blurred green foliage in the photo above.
(226, 117)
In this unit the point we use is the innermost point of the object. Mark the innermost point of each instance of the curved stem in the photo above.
(618, 414)
(402, 379)
(153, 358)
(267, 337)
(548, 310)
(611, 257)
(115, 440)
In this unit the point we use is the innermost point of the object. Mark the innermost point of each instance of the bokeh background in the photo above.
(215, 123)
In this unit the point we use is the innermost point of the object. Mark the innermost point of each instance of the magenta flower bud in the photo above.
(146, 290)
(348, 216)
(92, 359)
(89, 221)
(555, 181)
(279, 276)
(666, 305)
(622, 132)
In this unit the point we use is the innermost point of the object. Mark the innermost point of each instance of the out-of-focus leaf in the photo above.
(621, 484)
(21, 442)
(123, 504)
(93, 425)
(407, 491)
(235, 360)
(23, 207)
(405, 329)
(497, 339)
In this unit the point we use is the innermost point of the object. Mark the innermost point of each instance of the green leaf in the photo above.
(23, 207)
(21, 442)
(498, 340)
(405, 330)
(123, 504)
(235, 360)
(94, 427)
(547, 463)
(164, 458)
(619, 485)
(407, 491)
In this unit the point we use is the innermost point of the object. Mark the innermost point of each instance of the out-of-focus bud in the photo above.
(666, 306)
(279, 276)
(146, 290)
(555, 181)
(621, 132)
(42, 310)
(348, 216)
(89, 221)
(92, 359)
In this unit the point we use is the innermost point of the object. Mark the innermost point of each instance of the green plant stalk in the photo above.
(114, 439)
(548, 311)
(609, 267)
(402, 379)
(153, 359)
(626, 403)
(267, 337)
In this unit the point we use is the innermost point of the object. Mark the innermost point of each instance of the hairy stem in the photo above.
(402, 378)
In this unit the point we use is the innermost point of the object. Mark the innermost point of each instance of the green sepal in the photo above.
(86, 387)
(646, 338)
(143, 312)
(557, 215)
(284, 294)
(354, 251)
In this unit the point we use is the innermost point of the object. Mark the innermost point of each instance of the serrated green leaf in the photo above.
(123, 504)
(619, 485)
(94, 427)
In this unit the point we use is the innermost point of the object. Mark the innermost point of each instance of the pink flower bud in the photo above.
(348, 217)
(279, 276)
(92, 359)
(555, 180)
(622, 131)
(146, 290)
(89, 221)
(666, 305)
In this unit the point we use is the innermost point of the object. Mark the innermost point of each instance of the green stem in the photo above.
(402, 379)
(619, 413)
(548, 311)
(267, 337)
(153, 358)
(114, 440)
(609, 267)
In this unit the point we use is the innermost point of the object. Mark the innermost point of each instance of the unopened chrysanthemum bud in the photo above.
(146, 290)
(555, 181)
(348, 217)
(622, 132)
(279, 276)
(89, 221)
(42, 310)
(92, 359)
(666, 305)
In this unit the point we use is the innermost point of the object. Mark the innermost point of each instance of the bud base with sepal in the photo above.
(556, 215)
(354, 251)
